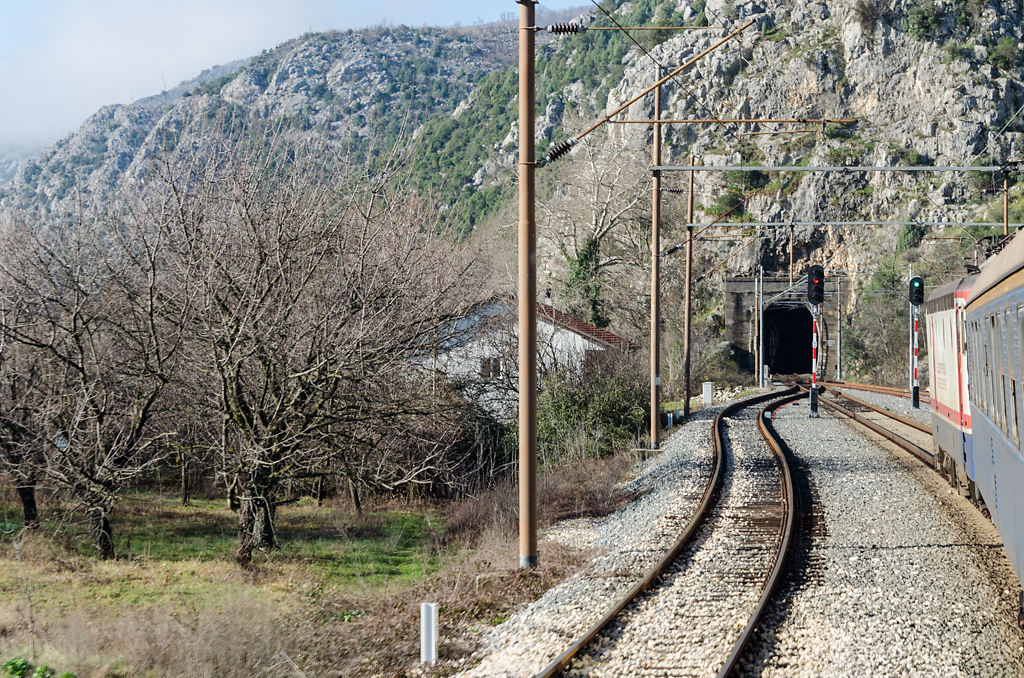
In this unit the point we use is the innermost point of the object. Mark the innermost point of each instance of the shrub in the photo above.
(923, 20)
(912, 157)
(981, 182)
(868, 14)
(593, 411)
(19, 667)
(957, 52)
(1004, 55)
(910, 236)
(726, 201)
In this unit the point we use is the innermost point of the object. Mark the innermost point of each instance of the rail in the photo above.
(711, 489)
(870, 388)
(922, 454)
(791, 501)
(906, 421)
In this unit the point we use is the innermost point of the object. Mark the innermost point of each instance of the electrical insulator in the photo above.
(917, 290)
(557, 152)
(563, 29)
(815, 285)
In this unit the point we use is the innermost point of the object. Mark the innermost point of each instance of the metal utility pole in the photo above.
(527, 293)
(687, 312)
(760, 326)
(656, 273)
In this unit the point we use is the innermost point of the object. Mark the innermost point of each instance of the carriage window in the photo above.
(1015, 414)
(974, 366)
(1019, 390)
(990, 364)
(998, 373)
(1004, 424)
(982, 366)
(978, 365)
(1009, 396)
(993, 369)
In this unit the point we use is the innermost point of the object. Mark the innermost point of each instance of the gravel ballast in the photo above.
(630, 542)
(687, 623)
(893, 403)
(906, 581)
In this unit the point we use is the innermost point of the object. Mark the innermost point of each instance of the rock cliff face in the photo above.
(928, 83)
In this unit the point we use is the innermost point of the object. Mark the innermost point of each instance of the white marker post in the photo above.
(428, 633)
(709, 394)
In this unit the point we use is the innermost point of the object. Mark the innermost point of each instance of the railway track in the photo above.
(716, 580)
(909, 435)
(870, 388)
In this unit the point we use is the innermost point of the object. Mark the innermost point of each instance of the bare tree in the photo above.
(20, 444)
(86, 302)
(320, 294)
(598, 219)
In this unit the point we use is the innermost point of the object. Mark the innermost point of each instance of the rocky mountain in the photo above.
(929, 82)
(11, 160)
(351, 86)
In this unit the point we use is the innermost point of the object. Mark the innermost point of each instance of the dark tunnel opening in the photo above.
(787, 340)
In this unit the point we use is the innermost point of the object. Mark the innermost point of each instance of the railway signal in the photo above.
(815, 285)
(916, 299)
(917, 290)
(815, 297)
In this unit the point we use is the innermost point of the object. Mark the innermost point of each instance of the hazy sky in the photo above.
(61, 60)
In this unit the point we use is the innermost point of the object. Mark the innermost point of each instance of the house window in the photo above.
(490, 368)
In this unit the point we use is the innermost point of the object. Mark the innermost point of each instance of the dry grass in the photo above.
(587, 487)
(152, 615)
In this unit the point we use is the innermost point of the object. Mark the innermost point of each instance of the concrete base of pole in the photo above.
(814, 402)
(527, 561)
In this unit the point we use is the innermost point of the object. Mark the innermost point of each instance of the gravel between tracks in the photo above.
(902, 586)
(896, 404)
(687, 624)
(631, 541)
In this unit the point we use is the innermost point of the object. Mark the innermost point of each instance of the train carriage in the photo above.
(995, 335)
(945, 312)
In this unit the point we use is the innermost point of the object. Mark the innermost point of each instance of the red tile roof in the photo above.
(585, 329)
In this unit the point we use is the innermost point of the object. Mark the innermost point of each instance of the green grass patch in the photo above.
(184, 555)
(341, 548)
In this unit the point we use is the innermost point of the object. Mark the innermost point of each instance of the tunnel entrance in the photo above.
(787, 340)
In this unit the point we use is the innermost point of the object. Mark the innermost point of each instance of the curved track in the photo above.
(738, 540)
(870, 388)
(902, 439)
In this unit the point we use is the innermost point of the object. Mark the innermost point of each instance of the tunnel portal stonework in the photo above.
(783, 344)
